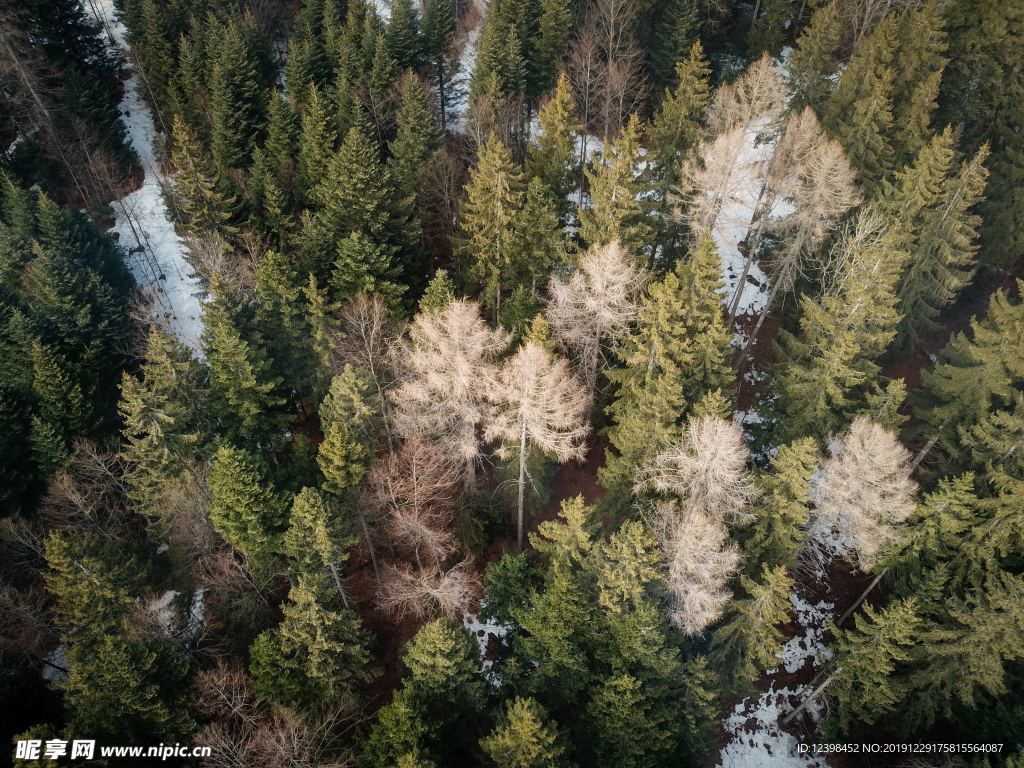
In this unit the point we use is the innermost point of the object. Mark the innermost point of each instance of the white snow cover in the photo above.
(813, 619)
(189, 625)
(757, 740)
(459, 105)
(482, 632)
(56, 657)
(734, 220)
(142, 220)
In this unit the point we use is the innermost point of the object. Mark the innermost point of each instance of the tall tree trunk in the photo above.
(339, 585)
(369, 541)
(522, 484)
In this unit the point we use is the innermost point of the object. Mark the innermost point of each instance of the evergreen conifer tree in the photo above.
(860, 113)
(403, 35)
(677, 354)
(317, 656)
(975, 374)
(616, 211)
(237, 101)
(867, 655)
(524, 738)
(552, 158)
(243, 395)
(248, 513)
(675, 32)
(814, 63)
(159, 423)
(316, 142)
(747, 644)
(674, 130)
(494, 201)
(931, 205)
(208, 208)
(439, 19)
(318, 537)
(781, 520)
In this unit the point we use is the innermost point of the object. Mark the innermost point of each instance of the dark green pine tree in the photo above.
(403, 35)
(931, 205)
(153, 38)
(237, 101)
(828, 370)
(554, 29)
(316, 143)
(440, 292)
(860, 113)
(920, 61)
(364, 267)
(439, 19)
(62, 411)
(378, 94)
(280, 320)
(416, 139)
(443, 683)
(814, 63)
(676, 30)
(525, 737)
(780, 523)
(243, 391)
(490, 212)
(975, 374)
(207, 207)
(317, 656)
(356, 193)
(281, 146)
(746, 645)
(677, 355)
(398, 736)
(318, 538)
(674, 130)
(982, 90)
(552, 156)
(244, 509)
(539, 241)
(160, 425)
(963, 662)
(768, 30)
(867, 655)
(616, 210)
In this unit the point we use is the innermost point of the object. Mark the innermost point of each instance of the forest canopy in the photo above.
(515, 383)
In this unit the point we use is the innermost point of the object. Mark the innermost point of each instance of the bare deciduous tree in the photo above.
(450, 365)
(369, 339)
(415, 489)
(809, 186)
(539, 403)
(405, 592)
(865, 492)
(594, 308)
(706, 468)
(699, 561)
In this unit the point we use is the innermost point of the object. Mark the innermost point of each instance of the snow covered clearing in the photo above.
(733, 222)
(459, 104)
(483, 632)
(756, 738)
(53, 670)
(145, 226)
(813, 619)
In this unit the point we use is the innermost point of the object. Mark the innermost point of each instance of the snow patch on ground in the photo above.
(187, 622)
(482, 632)
(145, 226)
(55, 657)
(813, 619)
(459, 105)
(756, 738)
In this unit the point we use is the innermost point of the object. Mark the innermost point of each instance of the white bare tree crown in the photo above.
(450, 364)
(706, 468)
(865, 492)
(699, 562)
(537, 397)
(595, 307)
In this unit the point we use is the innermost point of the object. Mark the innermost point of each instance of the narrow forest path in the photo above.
(155, 253)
